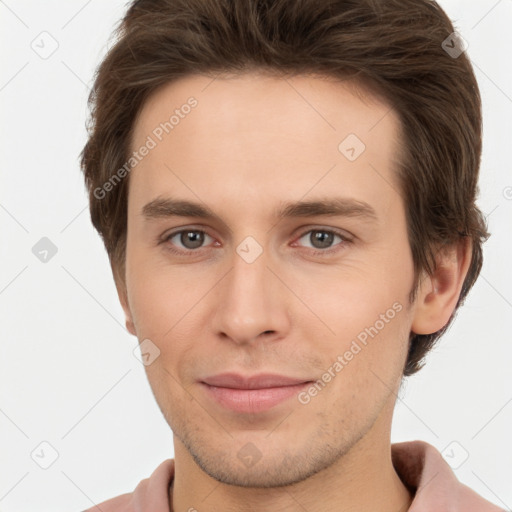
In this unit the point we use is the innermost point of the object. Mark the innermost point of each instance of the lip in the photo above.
(252, 394)
(260, 381)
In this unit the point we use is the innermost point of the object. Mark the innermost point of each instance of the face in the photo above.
(293, 261)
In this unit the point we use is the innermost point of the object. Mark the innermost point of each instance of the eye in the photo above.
(322, 240)
(190, 239)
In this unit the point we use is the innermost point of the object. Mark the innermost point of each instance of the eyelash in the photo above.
(315, 252)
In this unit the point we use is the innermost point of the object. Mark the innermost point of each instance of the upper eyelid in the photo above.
(336, 231)
(172, 233)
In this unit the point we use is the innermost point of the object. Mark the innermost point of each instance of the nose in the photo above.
(253, 303)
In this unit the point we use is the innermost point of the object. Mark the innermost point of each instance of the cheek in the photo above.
(370, 337)
(362, 366)
(152, 296)
(351, 301)
(165, 302)
(157, 304)
(368, 318)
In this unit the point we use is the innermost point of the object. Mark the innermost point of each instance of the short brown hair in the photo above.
(394, 48)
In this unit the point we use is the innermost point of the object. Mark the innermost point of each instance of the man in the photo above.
(286, 191)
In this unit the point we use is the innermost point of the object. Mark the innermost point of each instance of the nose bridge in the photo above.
(250, 301)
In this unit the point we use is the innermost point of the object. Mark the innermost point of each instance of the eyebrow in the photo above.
(337, 206)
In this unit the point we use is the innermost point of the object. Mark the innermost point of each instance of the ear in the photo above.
(438, 294)
(123, 299)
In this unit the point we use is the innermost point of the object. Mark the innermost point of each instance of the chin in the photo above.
(247, 467)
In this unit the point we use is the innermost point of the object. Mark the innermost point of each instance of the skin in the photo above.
(253, 142)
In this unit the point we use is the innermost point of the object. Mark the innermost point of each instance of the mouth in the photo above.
(254, 394)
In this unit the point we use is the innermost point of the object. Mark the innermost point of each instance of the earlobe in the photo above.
(123, 299)
(438, 293)
(130, 327)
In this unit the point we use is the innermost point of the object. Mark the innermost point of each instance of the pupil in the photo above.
(192, 236)
(324, 238)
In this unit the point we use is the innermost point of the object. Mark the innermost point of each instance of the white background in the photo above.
(68, 374)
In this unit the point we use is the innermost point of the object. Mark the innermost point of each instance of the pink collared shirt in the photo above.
(419, 465)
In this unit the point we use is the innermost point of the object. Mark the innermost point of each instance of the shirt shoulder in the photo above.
(121, 503)
(422, 468)
(150, 494)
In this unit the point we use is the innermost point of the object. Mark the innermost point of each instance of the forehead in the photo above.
(244, 134)
(315, 104)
